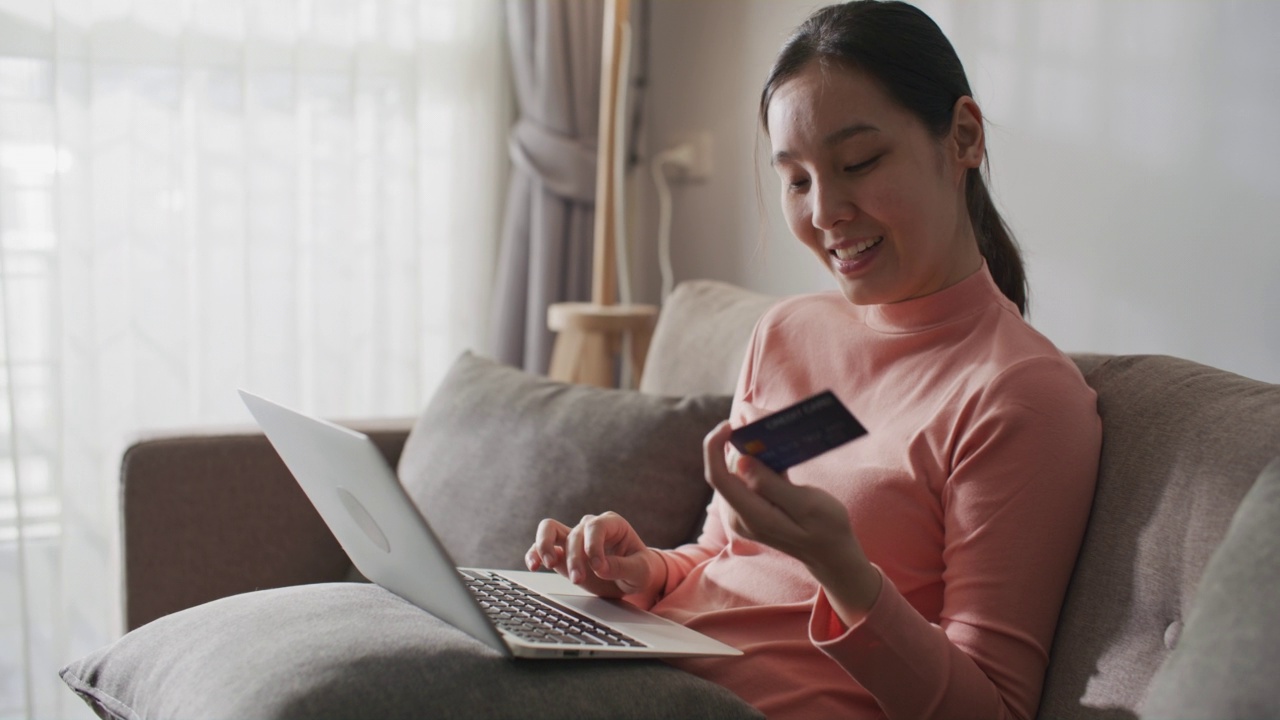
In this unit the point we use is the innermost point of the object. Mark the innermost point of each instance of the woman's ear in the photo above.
(967, 136)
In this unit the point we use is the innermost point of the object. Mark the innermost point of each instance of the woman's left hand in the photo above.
(806, 523)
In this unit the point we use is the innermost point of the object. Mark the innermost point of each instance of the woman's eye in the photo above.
(798, 184)
(859, 167)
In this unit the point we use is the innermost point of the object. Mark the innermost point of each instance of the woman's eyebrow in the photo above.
(834, 138)
(847, 132)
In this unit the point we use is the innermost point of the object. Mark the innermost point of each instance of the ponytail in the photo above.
(995, 241)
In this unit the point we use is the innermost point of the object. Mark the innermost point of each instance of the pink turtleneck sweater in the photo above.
(970, 494)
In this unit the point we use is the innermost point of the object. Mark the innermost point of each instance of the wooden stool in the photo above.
(589, 340)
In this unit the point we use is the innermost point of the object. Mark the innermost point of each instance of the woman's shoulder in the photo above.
(1029, 369)
(1020, 350)
(998, 357)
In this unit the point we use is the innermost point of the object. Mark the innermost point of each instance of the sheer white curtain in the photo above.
(296, 196)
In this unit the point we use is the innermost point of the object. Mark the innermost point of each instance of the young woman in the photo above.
(917, 572)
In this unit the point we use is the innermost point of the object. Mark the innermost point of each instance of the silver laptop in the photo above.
(523, 614)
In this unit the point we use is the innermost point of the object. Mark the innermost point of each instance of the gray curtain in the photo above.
(545, 253)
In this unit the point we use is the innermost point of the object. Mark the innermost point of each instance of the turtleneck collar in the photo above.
(971, 295)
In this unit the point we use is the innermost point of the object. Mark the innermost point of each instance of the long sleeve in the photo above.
(969, 494)
(682, 560)
(1014, 510)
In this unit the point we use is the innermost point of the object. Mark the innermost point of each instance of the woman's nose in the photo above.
(830, 206)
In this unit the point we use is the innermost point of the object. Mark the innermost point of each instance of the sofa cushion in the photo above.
(1181, 445)
(348, 651)
(497, 449)
(701, 338)
(1228, 658)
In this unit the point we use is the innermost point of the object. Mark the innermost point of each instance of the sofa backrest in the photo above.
(1182, 444)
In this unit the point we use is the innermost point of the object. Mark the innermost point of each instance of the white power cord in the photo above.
(682, 156)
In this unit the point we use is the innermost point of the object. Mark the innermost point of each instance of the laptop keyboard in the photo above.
(533, 618)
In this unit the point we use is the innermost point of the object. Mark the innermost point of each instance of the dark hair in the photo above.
(907, 53)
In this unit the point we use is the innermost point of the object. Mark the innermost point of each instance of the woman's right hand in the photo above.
(602, 553)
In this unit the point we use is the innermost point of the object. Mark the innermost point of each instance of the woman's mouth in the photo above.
(852, 251)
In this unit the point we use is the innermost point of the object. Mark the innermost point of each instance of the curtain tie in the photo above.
(565, 165)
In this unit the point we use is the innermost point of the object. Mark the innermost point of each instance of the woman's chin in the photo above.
(864, 290)
(861, 278)
(859, 295)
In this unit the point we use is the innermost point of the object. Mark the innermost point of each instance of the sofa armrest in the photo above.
(213, 513)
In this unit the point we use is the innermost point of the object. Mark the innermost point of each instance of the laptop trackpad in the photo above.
(609, 611)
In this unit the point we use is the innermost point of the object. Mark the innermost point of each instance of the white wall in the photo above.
(1135, 150)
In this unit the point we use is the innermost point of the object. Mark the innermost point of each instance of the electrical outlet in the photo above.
(698, 169)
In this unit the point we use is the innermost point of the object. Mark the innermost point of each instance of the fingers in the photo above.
(595, 553)
(631, 573)
(547, 550)
(575, 553)
(713, 445)
(594, 532)
(760, 499)
(606, 539)
(772, 486)
(805, 522)
(718, 475)
(596, 541)
(743, 498)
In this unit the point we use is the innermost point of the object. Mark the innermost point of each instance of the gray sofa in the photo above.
(1145, 630)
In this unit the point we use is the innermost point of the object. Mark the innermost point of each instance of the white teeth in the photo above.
(847, 253)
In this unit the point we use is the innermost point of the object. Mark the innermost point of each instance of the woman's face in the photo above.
(869, 190)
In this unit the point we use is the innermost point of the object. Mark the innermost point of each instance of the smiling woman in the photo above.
(869, 97)
(301, 197)
(869, 190)
(918, 571)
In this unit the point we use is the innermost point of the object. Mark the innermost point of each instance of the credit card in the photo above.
(799, 432)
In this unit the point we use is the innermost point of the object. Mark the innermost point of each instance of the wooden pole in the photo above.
(589, 335)
(604, 263)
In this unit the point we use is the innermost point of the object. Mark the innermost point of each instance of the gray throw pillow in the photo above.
(498, 449)
(1227, 659)
(348, 652)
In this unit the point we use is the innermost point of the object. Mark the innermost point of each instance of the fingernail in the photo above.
(575, 576)
(597, 564)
